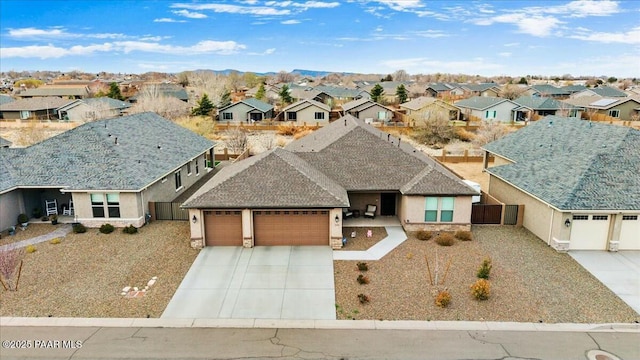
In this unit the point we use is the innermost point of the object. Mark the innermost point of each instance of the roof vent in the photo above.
(399, 142)
(116, 142)
(345, 121)
(159, 147)
(388, 136)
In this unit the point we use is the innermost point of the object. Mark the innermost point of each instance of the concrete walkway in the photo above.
(61, 231)
(395, 237)
(619, 271)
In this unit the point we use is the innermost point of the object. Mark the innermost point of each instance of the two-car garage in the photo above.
(594, 231)
(270, 227)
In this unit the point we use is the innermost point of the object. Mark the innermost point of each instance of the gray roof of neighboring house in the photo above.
(274, 179)
(439, 87)
(607, 91)
(573, 164)
(36, 103)
(480, 102)
(355, 103)
(418, 103)
(339, 92)
(169, 90)
(56, 91)
(252, 102)
(573, 88)
(309, 102)
(88, 158)
(4, 142)
(480, 87)
(109, 102)
(550, 89)
(542, 103)
(5, 99)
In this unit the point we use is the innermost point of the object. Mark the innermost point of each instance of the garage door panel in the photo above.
(295, 227)
(589, 232)
(223, 228)
(630, 233)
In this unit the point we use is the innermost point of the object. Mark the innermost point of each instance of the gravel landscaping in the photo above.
(31, 231)
(530, 282)
(84, 275)
(361, 241)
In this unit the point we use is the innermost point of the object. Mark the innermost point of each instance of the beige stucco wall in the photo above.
(359, 201)
(503, 112)
(626, 110)
(11, 205)
(308, 115)
(197, 228)
(412, 208)
(166, 191)
(240, 112)
(335, 228)
(130, 213)
(372, 112)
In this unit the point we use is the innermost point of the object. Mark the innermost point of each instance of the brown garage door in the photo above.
(223, 228)
(291, 227)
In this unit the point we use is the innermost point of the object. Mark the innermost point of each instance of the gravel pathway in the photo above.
(61, 231)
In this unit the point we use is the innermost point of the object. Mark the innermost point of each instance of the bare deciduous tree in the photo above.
(236, 140)
(283, 77)
(490, 131)
(150, 98)
(511, 91)
(433, 128)
(207, 82)
(401, 75)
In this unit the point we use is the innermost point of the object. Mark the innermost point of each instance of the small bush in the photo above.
(79, 229)
(23, 218)
(463, 235)
(362, 266)
(423, 235)
(443, 299)
(55, 241)
(107, 228)
(485, 269)
(481, 289)
(130, 229)
(445, 239)
(31, 249)
(363, 298)
(362, 279)
(464, 135)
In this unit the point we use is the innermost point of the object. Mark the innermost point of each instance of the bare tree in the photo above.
(10, 267)
(236, 140)
(234, 82)
(433, 128)
(207, 82)
(283, 77)
(511, 91)
(401, 75)
(150, 98)
(490, 131)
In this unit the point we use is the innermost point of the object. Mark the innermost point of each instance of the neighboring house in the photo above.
(295, 195)
(4, 143)
(439, 89)
(487, 108)
(5, 99)
(482, 89)
(271, 92)
(389, 88)
(423, 108)
(37, 108)
(63, 91)
(307, 111)
(166, 90)
(339, 95)
(111, 169)
(578, 181)
(534, 107)
(604, 91)
(368, 110)
(572, 89)
(250, 109)
(546, 90)
(626, 108)
(92, 109)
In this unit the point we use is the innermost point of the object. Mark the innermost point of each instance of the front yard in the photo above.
(530, 282)
(83, 275)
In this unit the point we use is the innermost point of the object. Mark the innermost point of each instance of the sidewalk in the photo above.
(61, 231)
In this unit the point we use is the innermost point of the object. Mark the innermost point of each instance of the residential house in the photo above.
(307, 111)
(334, 95)
(604, 91)
(535, 107)
(111, 169)
(618, 108)
(250, 109)
(546, 90)
(5, 99)
(92, 109)
(578, 181)
(423, 108)
(482, 89)
(439, 89)
(487, 108)
(37, 108)
(368, 110)
(63, 91)
(572, 89)
(389, 88)
(296, 195)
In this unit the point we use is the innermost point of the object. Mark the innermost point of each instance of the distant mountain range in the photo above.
(302, 72)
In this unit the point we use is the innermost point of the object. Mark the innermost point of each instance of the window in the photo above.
(319, 115)
(197, 170)
(291, 115)
(178, 180)
(227, 116)
(189, 168)
(431, 210)
(25, 114)
(580, 217)
(113, 205)
(97, 205)
(600, 217)
(614, 113)
(446, 209)
(382, 115)
(490, 114)
(629, 217)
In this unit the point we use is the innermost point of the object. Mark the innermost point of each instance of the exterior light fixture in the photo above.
(567, 223)
(194, 219)
(337, 219)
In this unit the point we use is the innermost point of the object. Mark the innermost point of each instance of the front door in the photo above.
(387, 204)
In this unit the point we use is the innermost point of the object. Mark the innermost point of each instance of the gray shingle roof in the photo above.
(254, 103)
(480, 102)
(550, 90)
(608, 91)
(479, 87)
(541, 103)
(273, 179)
(354, 104)
(5, 99)
(34, 104)
(88, 158)
(57, 91)
(418, 103)
(573, 164)
(339, 92)
(303, 104)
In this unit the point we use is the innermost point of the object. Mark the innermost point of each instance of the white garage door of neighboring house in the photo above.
(589, 232)
(630, 233)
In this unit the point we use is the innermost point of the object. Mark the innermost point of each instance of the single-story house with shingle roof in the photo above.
(487, 108)
(532, 107)
(111, 169)
(604, 91)
(37, 108)
(307, 111)
(250, 109)
(482, 89)
(546, 90)
(422, 108)
(368, 110)
(296, 195)
(92, 109)
(578, 181)
(65, 91)
(621, 108)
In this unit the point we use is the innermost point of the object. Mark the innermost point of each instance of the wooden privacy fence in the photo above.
(486, 214)
(168, 211)
(492, 211)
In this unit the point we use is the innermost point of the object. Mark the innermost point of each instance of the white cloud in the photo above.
(316, 5)
(34, 32)
(536, 25)
(290, 22)
(584, 8)
(59, 32)
(266, 52)
(189, 14)
(505, 54)
(402, 5)
(420, 65)
(233, 9)
(168, 20)
(512, 44)
(433, 34)
(630, 37)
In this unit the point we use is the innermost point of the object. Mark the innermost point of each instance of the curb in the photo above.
(319, 324)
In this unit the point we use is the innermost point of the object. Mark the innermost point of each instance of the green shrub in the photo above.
(107, 228)
(31, 249)
(485, 269)
(362, 266)
(79, 228)
(443, 299)
(23, 218)
(445, 239)
(362, 279)
(363, 298)
(130, 229)
(481, 289)
(423, 235)
(463, 235)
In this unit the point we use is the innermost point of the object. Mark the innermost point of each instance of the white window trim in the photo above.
(189, 170)
(175, 178)
(439, 210)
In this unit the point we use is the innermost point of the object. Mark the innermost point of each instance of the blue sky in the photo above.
(487, 38)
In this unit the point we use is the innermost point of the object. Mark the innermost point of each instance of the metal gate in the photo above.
(170, 211)
(510, 214)
(486, 214)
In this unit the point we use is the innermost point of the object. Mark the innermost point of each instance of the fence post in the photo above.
(444, 154)
(226, 154)
(152, 210)
(466, 155)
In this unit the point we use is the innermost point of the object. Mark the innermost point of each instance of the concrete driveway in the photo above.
(619, 271)
(268, 282)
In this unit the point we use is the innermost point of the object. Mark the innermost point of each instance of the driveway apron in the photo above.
(268, 282)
